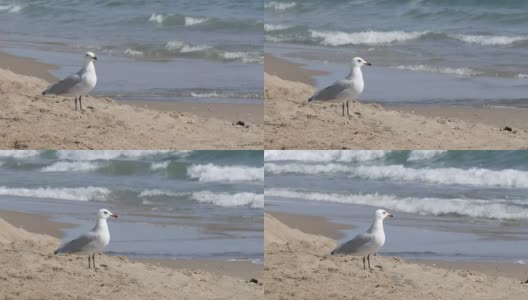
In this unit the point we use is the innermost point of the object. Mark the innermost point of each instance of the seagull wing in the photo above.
(330, 92)
(354, 245)
(80, 244)
(64, 86)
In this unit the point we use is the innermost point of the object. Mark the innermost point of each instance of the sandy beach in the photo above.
(293, 123)
(31, 271)
(298, 266)
(32, 121)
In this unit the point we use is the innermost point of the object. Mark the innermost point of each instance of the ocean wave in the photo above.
(11, 8)
(477, 208)
(79, 194)
(275, 5)
(190, 21)
(159, 165)
(339, 38)
(206, 51)
(323, 156)
(183, 47)
(473, 177)
(271, 27)
(487, 40)
(442, 70)
(424, 154)
(66, 166)
(156, 192)
(211, 172)
(522, 76)
(230, 200)
(108, 154)
(133, 52)
(19, 153)
(204, 95)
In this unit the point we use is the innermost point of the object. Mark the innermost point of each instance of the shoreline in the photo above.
(327, 229)
(289, 70)
(42, 224)
(291, 122)
(298, 266)
(232, 112)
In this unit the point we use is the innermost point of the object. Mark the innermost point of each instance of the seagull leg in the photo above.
(93, 260)
(75, 103)
(364, 267)
(368, 259)
(80, 104)
(343, 109)
(348, 113)
(89, 263)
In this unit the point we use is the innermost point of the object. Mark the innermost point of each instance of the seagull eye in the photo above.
(106, 212)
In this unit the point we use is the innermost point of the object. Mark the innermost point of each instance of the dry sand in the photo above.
(31, 121)
(31, 271)
(298, 266)
(291, 122)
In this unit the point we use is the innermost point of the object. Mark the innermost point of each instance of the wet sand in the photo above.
(298, 266)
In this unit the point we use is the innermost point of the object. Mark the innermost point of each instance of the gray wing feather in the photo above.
(330, 92)
(78, 244)
(64, 86)
(353, 245)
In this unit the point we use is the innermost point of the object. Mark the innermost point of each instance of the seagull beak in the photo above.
(114, 215)
(368, 64)
(389, 215)
(95, 58)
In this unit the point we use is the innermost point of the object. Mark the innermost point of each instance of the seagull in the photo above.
(350, 87)
(78, 84)
(367, 243)
(93, 241)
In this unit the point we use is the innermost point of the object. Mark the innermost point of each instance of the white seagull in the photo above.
(367, 243)
(349, 88)
(93, 241)
(78, 84)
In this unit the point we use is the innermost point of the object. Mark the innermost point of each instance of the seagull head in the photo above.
(382, 214)
(105, 214)
(358, 62)
(90, 56)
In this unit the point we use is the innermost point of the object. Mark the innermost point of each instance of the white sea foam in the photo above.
(160, 165)
(275, 5)
(489, 40)
(424, 154)
(12, 8)
(271, 27)
(230, 200)
(183, 47)
(80, 194)
(191, 21)
(474, 176)
(493, 209)
(204, 95)
(19, 153)
(156, 192)
(522, 76)
(107, 154)
(211, 172)
(339, 38)
(245, 57)
(324, 155)
(74, 166)
(157, 18)
(442, 70)
(133, 52)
